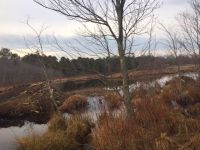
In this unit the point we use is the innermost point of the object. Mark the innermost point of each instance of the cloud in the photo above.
(13, 29)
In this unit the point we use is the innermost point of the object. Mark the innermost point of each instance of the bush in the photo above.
(74, 103)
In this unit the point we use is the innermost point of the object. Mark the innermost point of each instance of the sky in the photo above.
(14, 13)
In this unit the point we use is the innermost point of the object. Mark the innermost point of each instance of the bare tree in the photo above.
(173, 44)
(39, 48)
(120, 20)
(190, 25)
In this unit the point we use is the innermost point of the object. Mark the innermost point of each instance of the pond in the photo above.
(9, 135)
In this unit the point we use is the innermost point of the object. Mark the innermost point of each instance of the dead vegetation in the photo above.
(74, 103)
(71, 134)
(156, 124)
(32, 104)
(182, 90)
(113, 100)
(165, 118)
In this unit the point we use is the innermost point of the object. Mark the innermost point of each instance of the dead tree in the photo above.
(190, 31)
(120, 20)
(173, 44)
(39, 48)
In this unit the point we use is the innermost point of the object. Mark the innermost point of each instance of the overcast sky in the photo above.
(14, 13)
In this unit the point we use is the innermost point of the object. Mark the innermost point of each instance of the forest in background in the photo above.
(29, 68)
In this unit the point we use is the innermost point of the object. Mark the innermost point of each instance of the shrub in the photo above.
(74, 103)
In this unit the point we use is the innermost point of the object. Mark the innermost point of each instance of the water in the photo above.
(96, 105)
(161, 81)
(9, 135)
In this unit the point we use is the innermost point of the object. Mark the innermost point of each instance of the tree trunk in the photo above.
(198, 67)
(125, 78)
(125, 86)
(123, 62)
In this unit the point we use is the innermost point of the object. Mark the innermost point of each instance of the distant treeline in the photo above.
(15, 69)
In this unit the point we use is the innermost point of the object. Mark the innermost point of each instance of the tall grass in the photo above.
(62, 134)
(113, 100)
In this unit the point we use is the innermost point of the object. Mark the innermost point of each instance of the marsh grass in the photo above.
(74, 103)
(155, 125)
(62, 134)
(113, 100)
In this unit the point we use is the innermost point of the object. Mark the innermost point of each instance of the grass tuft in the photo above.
(74, 103)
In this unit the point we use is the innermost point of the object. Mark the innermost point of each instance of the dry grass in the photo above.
(56, 123)
(116, 134)
(193, 144)
(151, 112)
(166, 131)
(113, 100)
(165, 143)
(194, 110)
(183, 90)
(144, 92)
(72, 134)
(155, 125)
(74, 103)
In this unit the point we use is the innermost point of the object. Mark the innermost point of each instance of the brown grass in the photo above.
(145, 92)
(193, 144)
(56, 123)
(183, 90)
(113, 100)
(116, 134)
(151, 112)
(71, 135)
(74, 103)
(155, 125)
(165, 143)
